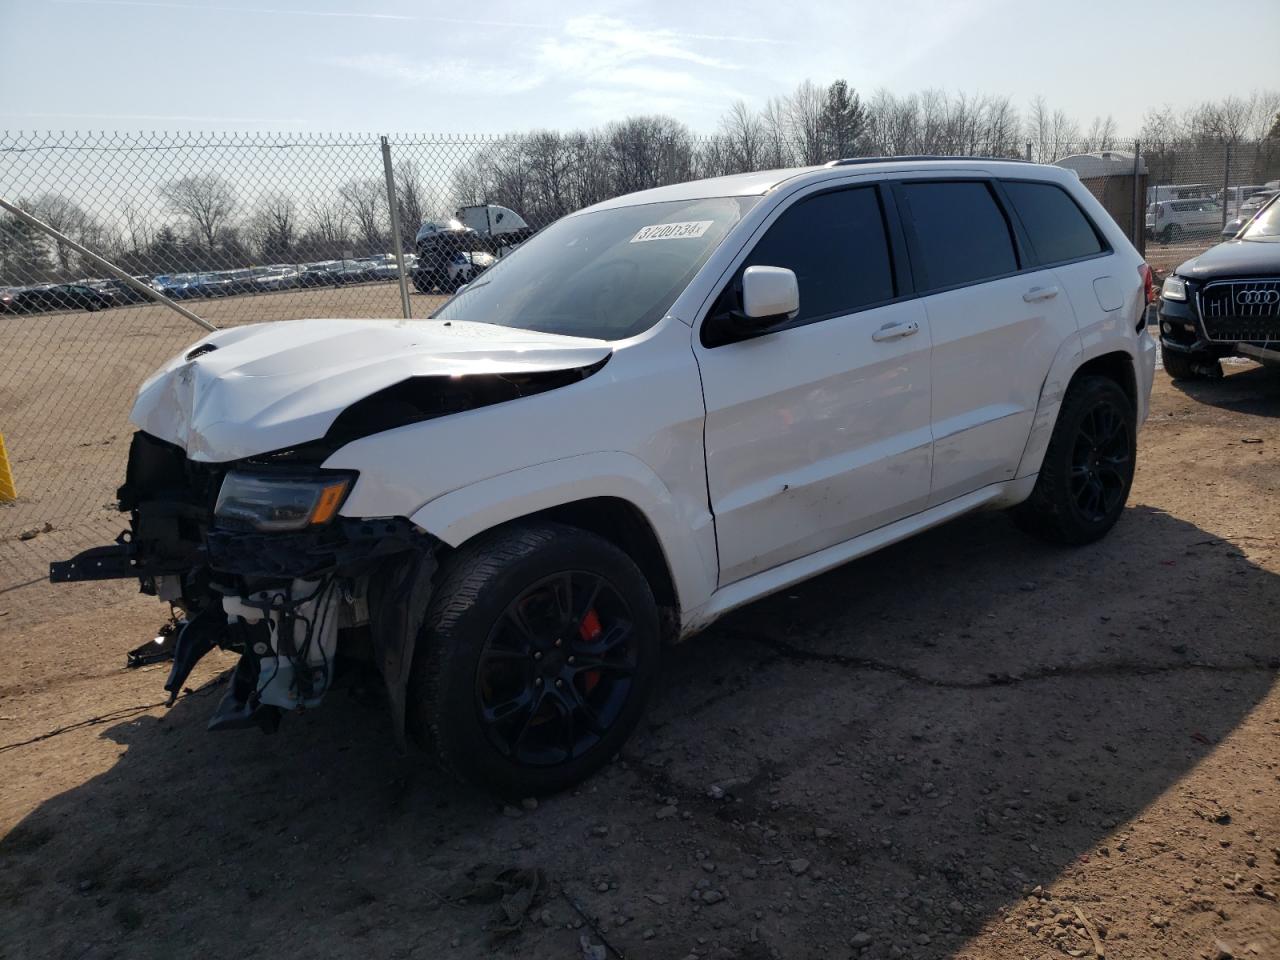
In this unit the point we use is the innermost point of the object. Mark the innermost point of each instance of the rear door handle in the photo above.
(1036, 294)
(895, 331)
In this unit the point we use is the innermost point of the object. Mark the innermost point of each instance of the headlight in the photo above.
(1174, 288)
(279, 503)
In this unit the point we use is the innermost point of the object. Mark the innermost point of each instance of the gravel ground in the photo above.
(969, 745)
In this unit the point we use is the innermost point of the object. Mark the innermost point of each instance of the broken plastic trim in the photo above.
(426, 398)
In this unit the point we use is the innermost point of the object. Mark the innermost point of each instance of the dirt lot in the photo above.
(970, 745)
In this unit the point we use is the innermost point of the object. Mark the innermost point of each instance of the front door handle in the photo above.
(1036, 294)
(895, 331)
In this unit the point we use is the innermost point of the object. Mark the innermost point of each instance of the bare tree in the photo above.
(1101, 135)
(773, 122)
(410, 200)
(67, 217)
(804, 120)
(744, 135)
(139, 231)
(274, 226)
(206, 200)
(327, 220)
(366, 203)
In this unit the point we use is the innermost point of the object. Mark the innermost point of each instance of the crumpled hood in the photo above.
(270, 386)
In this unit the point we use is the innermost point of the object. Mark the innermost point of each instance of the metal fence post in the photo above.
(1138, 221)
(1028, 151)
(1226, 180)
(396, 240)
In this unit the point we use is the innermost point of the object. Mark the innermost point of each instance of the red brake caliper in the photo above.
(589, 630)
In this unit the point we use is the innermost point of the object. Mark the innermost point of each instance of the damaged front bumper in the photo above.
(289, 603)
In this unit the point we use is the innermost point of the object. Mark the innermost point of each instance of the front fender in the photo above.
(684, 531)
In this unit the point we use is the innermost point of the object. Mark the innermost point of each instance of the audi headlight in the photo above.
(271, 504)
(1174, 288)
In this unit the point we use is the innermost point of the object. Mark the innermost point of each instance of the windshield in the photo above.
(1266, 225)
(607, 275)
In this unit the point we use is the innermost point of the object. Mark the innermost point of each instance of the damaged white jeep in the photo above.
(658, 409)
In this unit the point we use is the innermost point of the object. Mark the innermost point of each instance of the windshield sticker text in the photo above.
(672, 231)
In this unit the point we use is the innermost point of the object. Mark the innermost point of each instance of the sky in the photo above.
(399, 66)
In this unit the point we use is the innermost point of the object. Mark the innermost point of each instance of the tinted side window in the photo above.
(960, 232)
(1057, 227)
(836, 244)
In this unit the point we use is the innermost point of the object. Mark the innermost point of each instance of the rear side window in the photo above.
(836, 244)
(960, 233)
(1055, 224)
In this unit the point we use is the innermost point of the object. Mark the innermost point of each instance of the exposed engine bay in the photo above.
(278, 599)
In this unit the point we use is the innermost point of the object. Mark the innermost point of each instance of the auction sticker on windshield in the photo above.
(672, 231)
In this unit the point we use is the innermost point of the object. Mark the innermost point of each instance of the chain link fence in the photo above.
(250, 228)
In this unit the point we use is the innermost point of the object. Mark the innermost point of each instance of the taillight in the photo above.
(1148, 282)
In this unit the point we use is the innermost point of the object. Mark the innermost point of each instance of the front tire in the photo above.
(539, 651)
(1189, 366)
(1087, 471)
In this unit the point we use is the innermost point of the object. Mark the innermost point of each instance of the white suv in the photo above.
(1171, 220)
(659, 409)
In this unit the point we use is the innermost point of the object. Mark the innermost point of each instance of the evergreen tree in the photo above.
(842, 121)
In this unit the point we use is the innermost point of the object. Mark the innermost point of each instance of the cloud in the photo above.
(451, 74)
(610, 67)
(595, 41)
(284, 11)
(157, 117)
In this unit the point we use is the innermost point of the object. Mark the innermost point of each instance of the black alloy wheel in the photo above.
(539, 651)
(556, 669)
(1088, 465)
(1101, 463)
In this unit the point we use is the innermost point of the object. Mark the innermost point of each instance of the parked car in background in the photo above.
(1225, 302)
(61, 296)
(450, 255)
(8, 299)
(176, 286)
(1179, 191)
(1248, 209)
(501, 226)
(662, 408)
(381, 267)
(119, 291)
(279, 276)
(1233, 197)
(1256, 201)
(211, 285)
(1170, 220)
(357, 271)
(321, 274)
(238, 281)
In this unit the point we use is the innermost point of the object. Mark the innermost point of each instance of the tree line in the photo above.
(200, 221)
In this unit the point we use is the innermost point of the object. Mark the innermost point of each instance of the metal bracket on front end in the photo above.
(112, 562)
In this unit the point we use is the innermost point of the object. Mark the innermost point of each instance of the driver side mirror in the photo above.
(769, 295)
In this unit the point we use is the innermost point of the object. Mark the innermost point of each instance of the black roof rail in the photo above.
(854, 161)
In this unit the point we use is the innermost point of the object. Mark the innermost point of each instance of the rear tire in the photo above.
(1087, 471)
(540, 648)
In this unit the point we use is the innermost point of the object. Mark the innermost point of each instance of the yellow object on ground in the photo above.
(8, 491)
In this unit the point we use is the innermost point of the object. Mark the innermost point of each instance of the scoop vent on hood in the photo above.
(201, 350)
